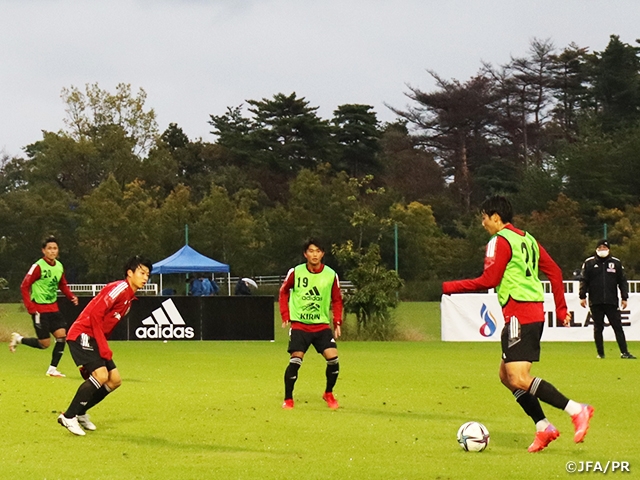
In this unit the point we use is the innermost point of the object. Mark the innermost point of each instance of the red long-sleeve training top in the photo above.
(497, 256)
(32, 276)
(102, 314)
(283, 300)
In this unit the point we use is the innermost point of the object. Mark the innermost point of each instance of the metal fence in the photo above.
(570, 286)
(152, 288)
(277, 280)
(93, 288)
(573, 286)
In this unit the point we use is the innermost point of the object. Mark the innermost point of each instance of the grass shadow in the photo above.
(196, 446)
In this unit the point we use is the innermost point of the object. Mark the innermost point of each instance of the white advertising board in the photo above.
(477, 317)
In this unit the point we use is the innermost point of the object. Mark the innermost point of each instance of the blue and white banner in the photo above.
(477, 317)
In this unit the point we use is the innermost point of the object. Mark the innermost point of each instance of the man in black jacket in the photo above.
(600, 278)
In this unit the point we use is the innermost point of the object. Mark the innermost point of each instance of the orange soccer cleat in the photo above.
(332, 403)
(581, 422)
(543, 439)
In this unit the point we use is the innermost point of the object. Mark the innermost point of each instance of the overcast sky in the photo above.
(194, 58)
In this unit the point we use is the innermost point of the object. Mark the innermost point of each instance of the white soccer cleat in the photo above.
(16, 339)
(53, 372)
(86, 423)
(71, 424)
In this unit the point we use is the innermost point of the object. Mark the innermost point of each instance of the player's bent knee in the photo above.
(115, 380)
(114, 384)
(101, 379)
(100, 375)
(519, 382)
(330, 353)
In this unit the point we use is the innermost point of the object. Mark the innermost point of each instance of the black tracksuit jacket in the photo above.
(601, 278)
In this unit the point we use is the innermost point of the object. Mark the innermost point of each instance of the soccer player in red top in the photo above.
(310, 298)
(40, 297)
(88, 345)
(511, 265)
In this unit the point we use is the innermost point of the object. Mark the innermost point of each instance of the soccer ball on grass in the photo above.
(473, 437)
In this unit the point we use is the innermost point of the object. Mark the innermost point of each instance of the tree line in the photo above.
(556, 130)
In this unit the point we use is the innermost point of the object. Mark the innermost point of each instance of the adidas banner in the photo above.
(189, 318)
(477, 317)
(159, 318)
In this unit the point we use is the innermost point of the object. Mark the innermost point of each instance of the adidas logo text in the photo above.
(313, 294)
(165, 325)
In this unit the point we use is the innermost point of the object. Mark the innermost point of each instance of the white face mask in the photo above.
(602, 253)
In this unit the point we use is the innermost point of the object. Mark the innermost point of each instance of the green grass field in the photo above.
(201, 410)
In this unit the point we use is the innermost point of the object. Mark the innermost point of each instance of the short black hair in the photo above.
(312, 241)
(134, 262)
(49, 239)
(500, 205)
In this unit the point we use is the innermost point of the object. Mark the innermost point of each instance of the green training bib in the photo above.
(310, 299)
(520, 280)
(45, 289)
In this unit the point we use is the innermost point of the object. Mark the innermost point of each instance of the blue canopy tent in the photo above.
(187, 260)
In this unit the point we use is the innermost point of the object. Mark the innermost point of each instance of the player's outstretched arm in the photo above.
(554, 274)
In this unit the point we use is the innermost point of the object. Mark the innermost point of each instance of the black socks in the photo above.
(82, 398)
(530, 405)
(97, 397)
(290, 376)
(58, 350)
(31, 342)
(548, 393)
(333, 369)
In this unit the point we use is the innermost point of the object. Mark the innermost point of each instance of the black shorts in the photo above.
(299, 340)
(47, 323)
(521, 343)
(84, 351)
